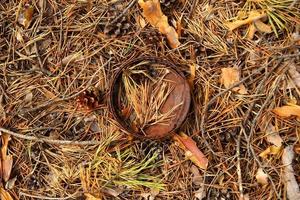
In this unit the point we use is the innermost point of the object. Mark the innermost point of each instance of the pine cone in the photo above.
(89, 99)
(120, 26)
(151, 37)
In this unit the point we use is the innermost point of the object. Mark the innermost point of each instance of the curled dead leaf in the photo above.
(231, 76)
(272, 150)
(288, 111)
(191, 150)
(153, 14)
(261, 177)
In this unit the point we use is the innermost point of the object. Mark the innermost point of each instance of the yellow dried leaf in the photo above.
(191, 150)
(153, 14)
(141, 21)
(4, 195)
(262, 27)
(261, 177)
(251, 31)
(272, 150)
(253, 16)
(287, 111)
(231, 76)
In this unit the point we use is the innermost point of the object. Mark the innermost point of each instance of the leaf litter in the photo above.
(54, 52)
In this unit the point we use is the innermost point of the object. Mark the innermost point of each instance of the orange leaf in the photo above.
(273, 150)
(191, 150)
(153, 14)
(287, 111)
(6, 160)
(26, 16)
(231, 76)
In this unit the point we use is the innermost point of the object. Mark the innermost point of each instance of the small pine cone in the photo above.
(151, 37)
(89, 99)
(121, 26)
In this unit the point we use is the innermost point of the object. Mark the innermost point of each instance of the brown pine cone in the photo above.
(120, 26)
(151, 37)
(89, 99)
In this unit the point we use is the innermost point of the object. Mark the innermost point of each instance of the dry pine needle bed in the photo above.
(239, 138)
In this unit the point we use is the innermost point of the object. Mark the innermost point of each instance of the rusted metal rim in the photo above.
(181, 92)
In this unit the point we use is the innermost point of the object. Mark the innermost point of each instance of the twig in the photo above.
(47, 140)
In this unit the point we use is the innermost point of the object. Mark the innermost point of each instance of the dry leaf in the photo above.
(253, 16)
(292, 187)
(4, 195)
(6, 160)
(272, 150)
(200, 193)
(25, 16)
(191, 150)
(261, 177)
(251, 31)
(231, 76)
(153, 14)
(197, 178)
(141, 21)
(262, 27)
(288, 111)
(272, 135)
(294, 73)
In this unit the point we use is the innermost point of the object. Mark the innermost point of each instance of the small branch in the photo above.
(47, 140)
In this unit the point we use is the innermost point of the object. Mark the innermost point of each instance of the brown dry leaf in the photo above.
(4, 195)
(262, 27)
(253, 16)
(294, 73)
(153, 14)
(251, 31)
(258, 25)
(231, 76)
(272, 150)
(288, 111)
(272, 135)
(6, 160)
(25, 16)
(191, 150)
(292, 187)
(261, 177)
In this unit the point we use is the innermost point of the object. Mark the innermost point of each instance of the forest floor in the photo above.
(60, 140)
